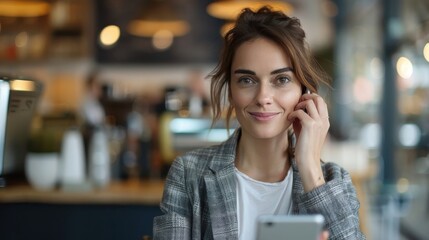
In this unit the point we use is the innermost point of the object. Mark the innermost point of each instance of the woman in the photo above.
(217, 192)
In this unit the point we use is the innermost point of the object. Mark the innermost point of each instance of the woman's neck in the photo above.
(263, 159)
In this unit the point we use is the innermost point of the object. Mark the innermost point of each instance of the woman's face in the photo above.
(264, 89)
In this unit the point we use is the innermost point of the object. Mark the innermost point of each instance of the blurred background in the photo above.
(120, 87)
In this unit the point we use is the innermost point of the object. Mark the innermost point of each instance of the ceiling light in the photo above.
(24, 8)
(148, 28)
(230, 9)
(158, 15)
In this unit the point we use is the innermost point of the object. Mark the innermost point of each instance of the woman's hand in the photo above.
(324, 235)
(310, 121)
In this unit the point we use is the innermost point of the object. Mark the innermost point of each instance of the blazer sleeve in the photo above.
(336, 200)
(175, 223)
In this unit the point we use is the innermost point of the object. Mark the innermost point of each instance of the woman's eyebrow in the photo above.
(277, 71)
(244, 71)
(281, 70)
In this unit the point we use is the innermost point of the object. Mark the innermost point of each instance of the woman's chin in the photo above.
(267, 132)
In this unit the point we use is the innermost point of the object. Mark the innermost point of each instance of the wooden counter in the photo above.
(122, 210)
(147, 192)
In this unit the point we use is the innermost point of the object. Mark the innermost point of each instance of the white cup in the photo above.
(41, 170)
(72, 158)
(99, 159)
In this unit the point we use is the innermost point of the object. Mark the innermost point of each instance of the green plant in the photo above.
(45, 140)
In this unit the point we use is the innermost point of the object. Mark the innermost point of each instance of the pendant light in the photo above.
(24, 8)
(230, 9)
(159, 15)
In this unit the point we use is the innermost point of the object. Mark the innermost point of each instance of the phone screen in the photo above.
(291, 227)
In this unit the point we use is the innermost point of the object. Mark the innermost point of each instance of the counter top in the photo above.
(147, 192)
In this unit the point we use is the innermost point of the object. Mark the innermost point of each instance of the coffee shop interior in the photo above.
(97, 98)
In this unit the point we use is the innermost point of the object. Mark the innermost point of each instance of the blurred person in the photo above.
(198, 97)
(92, 111)
(136, 155)
(271, 164)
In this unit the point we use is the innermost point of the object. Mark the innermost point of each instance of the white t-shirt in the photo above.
(256, 198)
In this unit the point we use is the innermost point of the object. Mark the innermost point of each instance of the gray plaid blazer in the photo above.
(199, 200)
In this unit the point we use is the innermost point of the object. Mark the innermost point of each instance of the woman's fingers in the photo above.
(311, 125)
(314, 105)
(324, 235)
(298, 114)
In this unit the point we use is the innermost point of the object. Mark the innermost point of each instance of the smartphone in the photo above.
(289, 227)
(305, 90)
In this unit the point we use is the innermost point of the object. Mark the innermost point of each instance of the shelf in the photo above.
(124, 192)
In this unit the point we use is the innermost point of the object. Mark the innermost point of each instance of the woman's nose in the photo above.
(264, 95)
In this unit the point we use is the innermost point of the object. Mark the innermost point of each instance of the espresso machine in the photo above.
(18, 102)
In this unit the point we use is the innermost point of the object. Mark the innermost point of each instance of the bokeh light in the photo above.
(409, 135)
(110, 35)
(162, 39)
(426, 51)
(404, 67)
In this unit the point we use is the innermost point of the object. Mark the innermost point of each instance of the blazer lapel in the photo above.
(221, 191)
(222, 203)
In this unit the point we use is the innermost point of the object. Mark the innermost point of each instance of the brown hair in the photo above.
(276, 26)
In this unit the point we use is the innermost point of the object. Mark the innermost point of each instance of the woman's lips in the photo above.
(263, 116)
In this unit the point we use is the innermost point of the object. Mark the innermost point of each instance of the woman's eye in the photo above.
(246, 81)
(282, 80)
